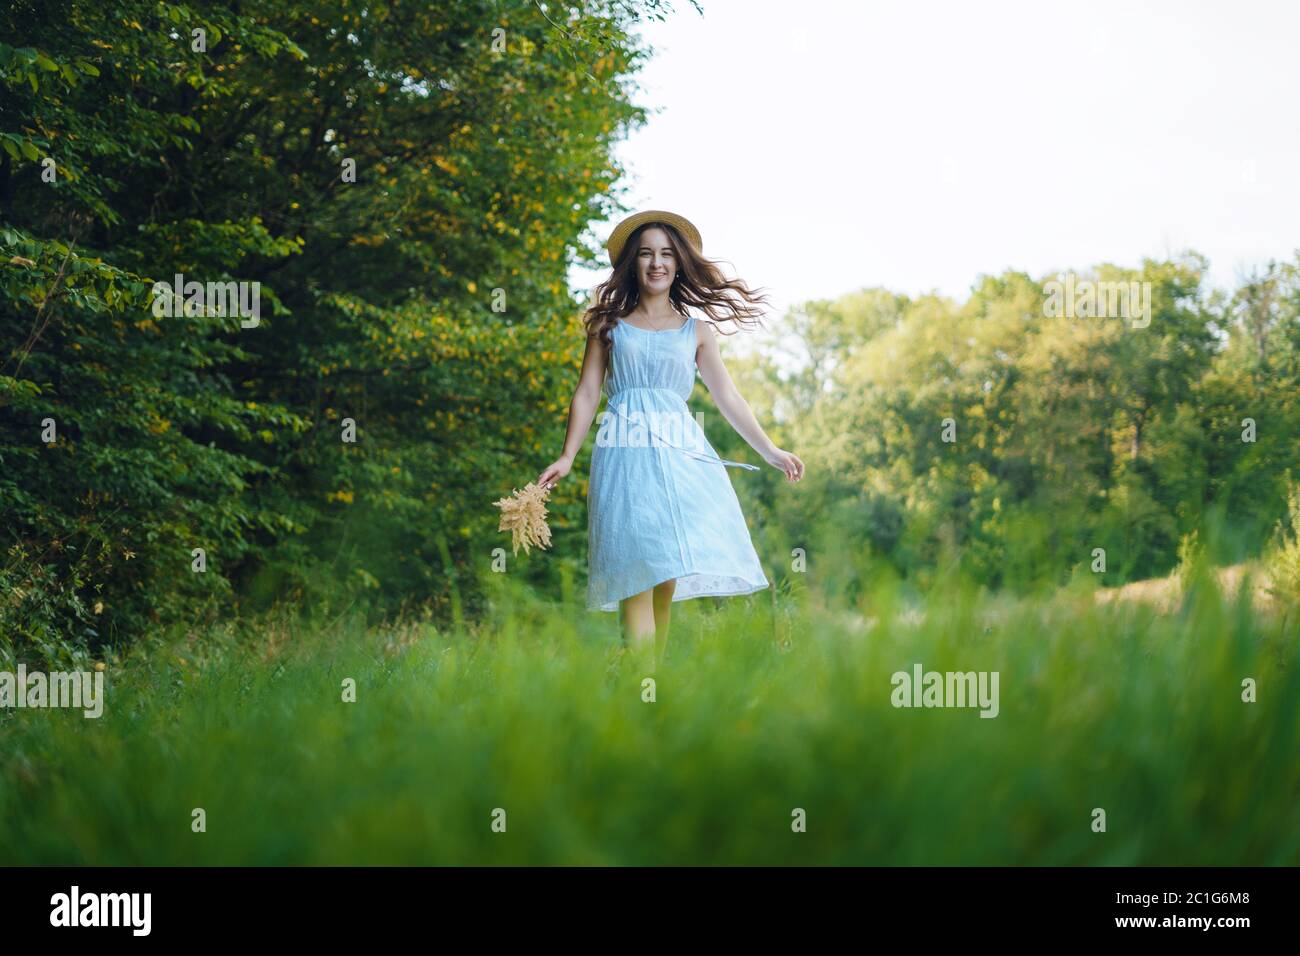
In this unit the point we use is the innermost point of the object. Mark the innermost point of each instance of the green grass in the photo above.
(763, 705)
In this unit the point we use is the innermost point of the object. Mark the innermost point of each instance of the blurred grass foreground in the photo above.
(770, 736)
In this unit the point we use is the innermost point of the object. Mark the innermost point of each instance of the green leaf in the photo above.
(10, 148)
(86, 67)
(30, 151)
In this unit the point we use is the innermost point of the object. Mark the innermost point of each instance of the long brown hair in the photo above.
(699, 282)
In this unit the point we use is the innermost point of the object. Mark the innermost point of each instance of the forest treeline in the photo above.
(1001, 438)
(407, 183)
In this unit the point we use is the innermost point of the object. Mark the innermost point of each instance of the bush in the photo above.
(1283, 560)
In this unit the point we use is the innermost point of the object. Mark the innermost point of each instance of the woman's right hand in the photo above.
(554, 472)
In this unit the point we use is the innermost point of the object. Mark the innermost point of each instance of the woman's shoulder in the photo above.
(703, 325)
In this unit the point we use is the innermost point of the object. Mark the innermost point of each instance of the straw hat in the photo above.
(624, 229)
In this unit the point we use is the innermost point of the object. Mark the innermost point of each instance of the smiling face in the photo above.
(656, 263)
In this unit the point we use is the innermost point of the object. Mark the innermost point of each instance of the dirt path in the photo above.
(1165, 592)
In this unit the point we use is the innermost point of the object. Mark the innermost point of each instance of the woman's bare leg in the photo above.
(663, 608)
(638, 618)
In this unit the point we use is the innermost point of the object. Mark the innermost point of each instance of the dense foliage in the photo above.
(407, 183)
(1015, 443)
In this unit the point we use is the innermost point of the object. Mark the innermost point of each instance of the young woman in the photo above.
(664, 523)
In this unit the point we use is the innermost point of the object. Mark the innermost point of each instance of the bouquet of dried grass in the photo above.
(524, 516)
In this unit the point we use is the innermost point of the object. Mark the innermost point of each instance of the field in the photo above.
(533, 742)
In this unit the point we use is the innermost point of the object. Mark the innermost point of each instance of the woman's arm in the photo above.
(736, 410)
(582, 409)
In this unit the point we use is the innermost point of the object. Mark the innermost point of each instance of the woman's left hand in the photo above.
(787, 462)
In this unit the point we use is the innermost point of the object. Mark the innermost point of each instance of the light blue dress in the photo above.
(660, 503)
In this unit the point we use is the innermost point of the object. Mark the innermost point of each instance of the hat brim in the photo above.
(618, 238)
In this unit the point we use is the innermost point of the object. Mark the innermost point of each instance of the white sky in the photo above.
(824, 146)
